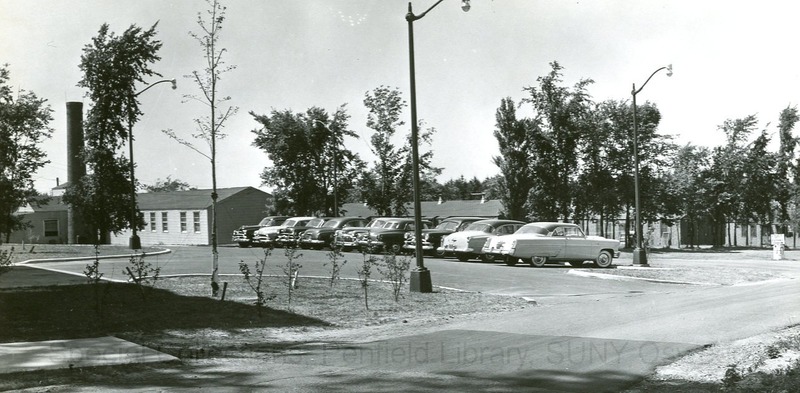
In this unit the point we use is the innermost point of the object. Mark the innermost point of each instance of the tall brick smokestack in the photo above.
(76, 168)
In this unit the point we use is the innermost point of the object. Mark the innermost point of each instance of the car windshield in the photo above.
(377, 223)
(301, 223)
(488, 228)
(316, 223)
(266, 222)
(531, 229)
(393, 225)
(448, 225)
(289, 223)
(331, 224)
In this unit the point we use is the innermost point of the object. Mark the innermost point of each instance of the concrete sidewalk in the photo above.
(58, 354)
(85, 352)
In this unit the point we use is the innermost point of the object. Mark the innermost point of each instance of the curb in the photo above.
(68, 259)
(606, 276)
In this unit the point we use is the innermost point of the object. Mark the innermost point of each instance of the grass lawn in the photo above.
(181, 307)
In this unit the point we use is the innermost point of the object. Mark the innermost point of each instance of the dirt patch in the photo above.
(707, 369)
(698, 274)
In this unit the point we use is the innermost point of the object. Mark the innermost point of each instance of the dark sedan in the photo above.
(432, 238)
(317, 238)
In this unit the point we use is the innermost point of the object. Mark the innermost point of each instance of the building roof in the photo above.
(187, 200)
(473, 208)
(52, 205)
(175, 200)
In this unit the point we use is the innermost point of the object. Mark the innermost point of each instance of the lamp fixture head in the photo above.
(669, 70)
(465, 5)
(174, 83)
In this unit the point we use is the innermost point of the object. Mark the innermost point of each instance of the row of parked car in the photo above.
(465, 238)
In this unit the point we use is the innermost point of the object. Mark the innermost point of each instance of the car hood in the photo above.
(248, 227)
(435, 231)
(353, 229)
(321, 230)
(263, 230)
(388, 230)
(465, 234)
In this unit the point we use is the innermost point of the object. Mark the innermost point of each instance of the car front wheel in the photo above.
(510, 261)
(395, 249)
(604, 259)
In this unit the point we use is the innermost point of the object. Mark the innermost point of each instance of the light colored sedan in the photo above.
(468, 243)
(539, 243)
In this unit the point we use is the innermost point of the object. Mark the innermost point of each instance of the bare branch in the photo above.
(184, 142)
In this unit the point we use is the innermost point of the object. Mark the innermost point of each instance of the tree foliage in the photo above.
(572, 159)
(169, 185)
(786, 165)
(302, 147)
(515, 145)
(388, 186)
(112, 65)
(24, 125)
(561, 118)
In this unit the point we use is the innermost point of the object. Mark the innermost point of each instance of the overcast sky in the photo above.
(731, 59)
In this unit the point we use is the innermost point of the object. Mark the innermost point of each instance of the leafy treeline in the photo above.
(571, 158)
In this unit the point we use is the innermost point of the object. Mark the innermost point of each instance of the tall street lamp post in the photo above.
(335, 169)
(420, 280)
(639, 252)
(135, 243)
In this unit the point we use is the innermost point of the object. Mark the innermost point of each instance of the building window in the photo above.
(51, 228)
(183, 222)
(196, 217)
(152, 221)
(164, 222)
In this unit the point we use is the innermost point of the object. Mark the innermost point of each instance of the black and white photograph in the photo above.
(383, 196)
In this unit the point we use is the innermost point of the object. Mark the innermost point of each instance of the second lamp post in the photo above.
(639, 252)
(420, 280)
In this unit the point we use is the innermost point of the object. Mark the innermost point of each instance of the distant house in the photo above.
(437, 210)
(184, 217)
(48, 222)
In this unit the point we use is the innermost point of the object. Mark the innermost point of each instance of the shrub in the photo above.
(394, 270)
(255, 281)
(291, 271)
(335, 256)
(364, 272)
(142, 272)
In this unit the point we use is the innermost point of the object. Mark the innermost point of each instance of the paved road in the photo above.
(497, 278)
(588, 335)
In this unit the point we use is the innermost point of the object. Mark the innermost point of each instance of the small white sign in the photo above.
(777, 238)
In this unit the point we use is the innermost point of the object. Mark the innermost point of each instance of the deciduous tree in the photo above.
(24, 125)
(516, 175)
(562, 117)
(302, 147)
(209, 128)
(388, 186)
(112, 65)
